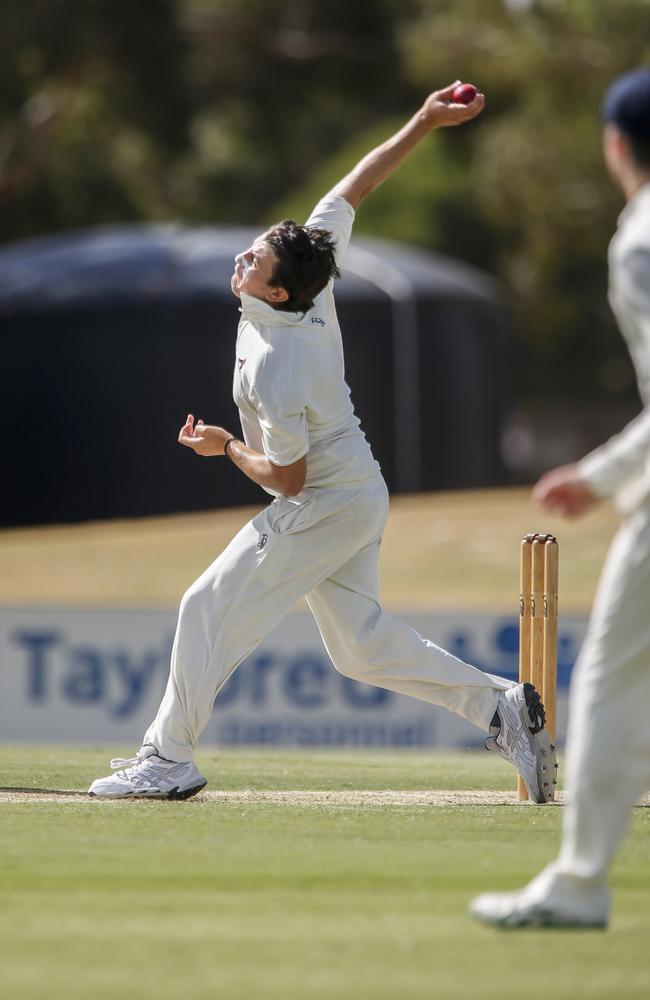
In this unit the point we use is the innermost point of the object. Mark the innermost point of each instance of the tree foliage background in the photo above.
(246, 110)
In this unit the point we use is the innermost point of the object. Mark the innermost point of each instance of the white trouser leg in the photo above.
(249, 589)
(369, 645)
(273, 561)
(608, 750)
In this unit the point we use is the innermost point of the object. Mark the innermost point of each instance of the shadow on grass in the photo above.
(41, 791)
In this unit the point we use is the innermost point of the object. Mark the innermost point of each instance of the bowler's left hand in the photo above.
(202, 438)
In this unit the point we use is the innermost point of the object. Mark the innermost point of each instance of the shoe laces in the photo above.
(118, 763)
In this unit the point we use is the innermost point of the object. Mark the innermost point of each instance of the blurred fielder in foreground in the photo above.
(608, 752)
(320, 537)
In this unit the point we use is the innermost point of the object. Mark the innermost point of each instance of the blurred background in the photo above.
(142, 144)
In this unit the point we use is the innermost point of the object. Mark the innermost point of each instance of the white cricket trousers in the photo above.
(608, 747)
(325, 545)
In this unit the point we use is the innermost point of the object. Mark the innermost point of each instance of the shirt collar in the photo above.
(258, 311)
(636, 203)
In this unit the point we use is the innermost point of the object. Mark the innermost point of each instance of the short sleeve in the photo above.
(336, 215)
(282, 416)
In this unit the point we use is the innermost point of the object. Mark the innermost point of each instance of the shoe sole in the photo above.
(541, 920)
(546, 767)
(557, 923)
(544, 752)
(187, 793)
(175, 794)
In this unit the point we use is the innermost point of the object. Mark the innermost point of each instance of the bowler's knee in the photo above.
(354, 662)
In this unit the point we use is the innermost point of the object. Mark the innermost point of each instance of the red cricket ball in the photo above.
(464, 93)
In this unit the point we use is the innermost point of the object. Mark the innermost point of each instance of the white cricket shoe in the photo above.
(151, 776)
(522, 740)
(550, 900)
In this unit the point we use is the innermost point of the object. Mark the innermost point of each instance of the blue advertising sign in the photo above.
(87, 675)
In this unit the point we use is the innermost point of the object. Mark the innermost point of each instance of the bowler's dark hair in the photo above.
(640, 150)
(305, 263)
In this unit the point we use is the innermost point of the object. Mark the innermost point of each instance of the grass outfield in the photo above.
(253, 897)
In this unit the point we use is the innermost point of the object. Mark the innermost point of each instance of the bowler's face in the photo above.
(253, 271)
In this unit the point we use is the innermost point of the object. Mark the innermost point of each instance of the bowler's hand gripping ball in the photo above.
(464, 93)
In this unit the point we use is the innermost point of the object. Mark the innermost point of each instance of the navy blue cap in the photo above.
(627, 104)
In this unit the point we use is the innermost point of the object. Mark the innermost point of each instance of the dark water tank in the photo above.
(111, 336)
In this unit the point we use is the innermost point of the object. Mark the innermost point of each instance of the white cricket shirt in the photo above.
(289, 381)
(621, 467)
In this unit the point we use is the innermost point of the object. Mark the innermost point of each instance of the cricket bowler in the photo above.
(320, 536)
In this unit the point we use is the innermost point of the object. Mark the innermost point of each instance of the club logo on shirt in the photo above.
(262, 542)
(316, 319)
(240, 363)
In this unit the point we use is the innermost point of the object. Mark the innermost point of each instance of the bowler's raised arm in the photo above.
(438, 111)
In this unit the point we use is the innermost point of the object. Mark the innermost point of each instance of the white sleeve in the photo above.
(336, 215)
(282, 414)
(634, 279)
(622, 458)
(626, 455)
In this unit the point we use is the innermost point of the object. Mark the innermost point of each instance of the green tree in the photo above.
(94, 106)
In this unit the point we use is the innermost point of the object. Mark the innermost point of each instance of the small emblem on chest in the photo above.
(317, 319)
(262, 542)
(240, 363)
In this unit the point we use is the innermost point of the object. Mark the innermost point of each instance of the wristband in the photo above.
(225, 447)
